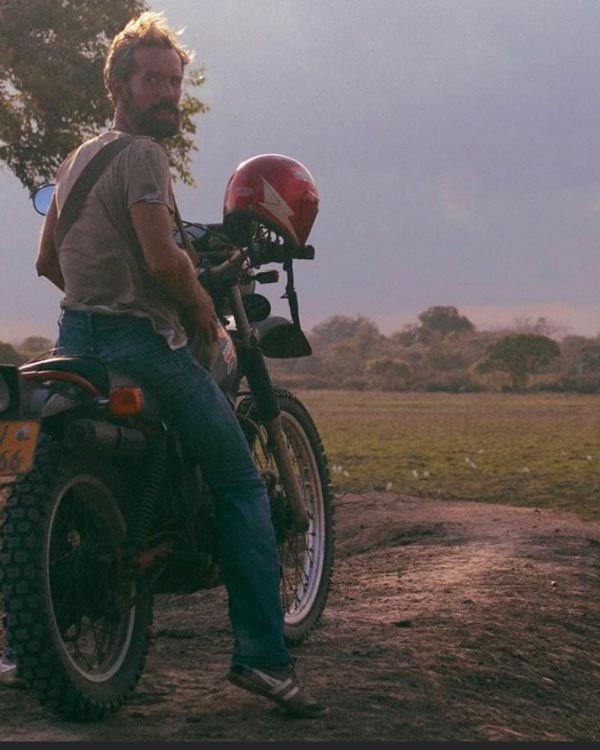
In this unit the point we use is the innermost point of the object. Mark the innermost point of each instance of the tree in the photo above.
(519, 354)
(437, 322)
(542, 325)
(34, 346)
(407, 336)
(388, 373)
(443, 320)
(52, 94)
(341, 328)
(8, 355)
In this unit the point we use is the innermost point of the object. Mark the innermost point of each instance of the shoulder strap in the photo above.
(185, 238)
(84, 183)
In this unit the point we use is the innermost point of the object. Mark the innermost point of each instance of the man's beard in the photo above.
(148, 123)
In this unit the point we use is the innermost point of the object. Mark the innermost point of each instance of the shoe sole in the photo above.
(251, 687)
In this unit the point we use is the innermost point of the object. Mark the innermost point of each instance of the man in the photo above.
(127, 285)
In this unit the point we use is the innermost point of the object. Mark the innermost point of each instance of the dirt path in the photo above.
(446, 621)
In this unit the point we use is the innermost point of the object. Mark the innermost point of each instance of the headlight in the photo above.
(4, 395)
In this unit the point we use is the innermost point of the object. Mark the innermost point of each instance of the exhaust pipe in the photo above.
(87, 434)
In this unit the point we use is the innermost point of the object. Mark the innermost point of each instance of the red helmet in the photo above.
(273, 190)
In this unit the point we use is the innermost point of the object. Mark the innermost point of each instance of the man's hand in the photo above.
(204, 320)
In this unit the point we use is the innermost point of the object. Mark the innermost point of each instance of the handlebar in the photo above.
(271, 252)
(221, 253)
(223, 263)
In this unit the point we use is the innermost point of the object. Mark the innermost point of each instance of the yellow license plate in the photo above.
(17, 446)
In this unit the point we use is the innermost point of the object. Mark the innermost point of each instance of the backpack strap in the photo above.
(84, 183)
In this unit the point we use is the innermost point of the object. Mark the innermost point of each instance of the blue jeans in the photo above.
(192, 401)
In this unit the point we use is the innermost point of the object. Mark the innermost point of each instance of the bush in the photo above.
(452, 383)
(580, 383)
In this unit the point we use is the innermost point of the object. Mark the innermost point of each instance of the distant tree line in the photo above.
(32, 347)
(442, 351)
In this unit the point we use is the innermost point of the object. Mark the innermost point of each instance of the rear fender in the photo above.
(23, 399)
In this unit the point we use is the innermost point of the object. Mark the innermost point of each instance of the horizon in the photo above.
(482, 319)
(454, 146)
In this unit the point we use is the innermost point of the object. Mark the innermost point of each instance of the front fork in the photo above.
(259, 381)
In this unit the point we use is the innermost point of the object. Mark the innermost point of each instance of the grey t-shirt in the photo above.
(100, 257)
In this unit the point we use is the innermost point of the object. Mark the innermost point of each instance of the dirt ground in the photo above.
(446, 621)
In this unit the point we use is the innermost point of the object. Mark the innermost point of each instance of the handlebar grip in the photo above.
(305, 253)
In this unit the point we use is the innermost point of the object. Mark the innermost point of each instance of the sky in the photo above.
(455, 146)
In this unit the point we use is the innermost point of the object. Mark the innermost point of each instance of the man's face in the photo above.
(150, 97)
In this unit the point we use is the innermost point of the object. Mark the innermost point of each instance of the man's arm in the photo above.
(171, 267)
(46, 263)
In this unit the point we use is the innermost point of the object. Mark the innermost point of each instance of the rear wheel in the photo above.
(78, 623)
(306, 558)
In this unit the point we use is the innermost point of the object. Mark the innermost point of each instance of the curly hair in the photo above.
(147, 30)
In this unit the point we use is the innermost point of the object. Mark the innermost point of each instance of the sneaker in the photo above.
(279, 685)
(8, 673)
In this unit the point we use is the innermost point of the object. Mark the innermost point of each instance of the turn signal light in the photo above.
(125, 401)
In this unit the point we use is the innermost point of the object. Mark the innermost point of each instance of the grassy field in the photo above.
(540, 450)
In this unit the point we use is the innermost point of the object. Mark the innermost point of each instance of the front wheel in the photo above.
(306, 558)
(77, 622)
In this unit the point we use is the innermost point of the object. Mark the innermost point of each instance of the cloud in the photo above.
(455, 146)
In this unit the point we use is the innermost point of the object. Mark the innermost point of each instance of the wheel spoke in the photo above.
(305, 559)
(101, 639)
(90, 615)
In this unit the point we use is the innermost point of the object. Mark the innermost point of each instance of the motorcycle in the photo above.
(107, 510)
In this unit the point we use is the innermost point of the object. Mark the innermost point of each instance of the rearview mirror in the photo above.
(42, 198)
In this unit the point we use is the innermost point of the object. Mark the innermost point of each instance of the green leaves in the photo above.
(52, 94)
(520, 354)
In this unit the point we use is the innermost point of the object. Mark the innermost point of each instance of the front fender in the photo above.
(279, 338)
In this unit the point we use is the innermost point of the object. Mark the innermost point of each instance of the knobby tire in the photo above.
(79, 628)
